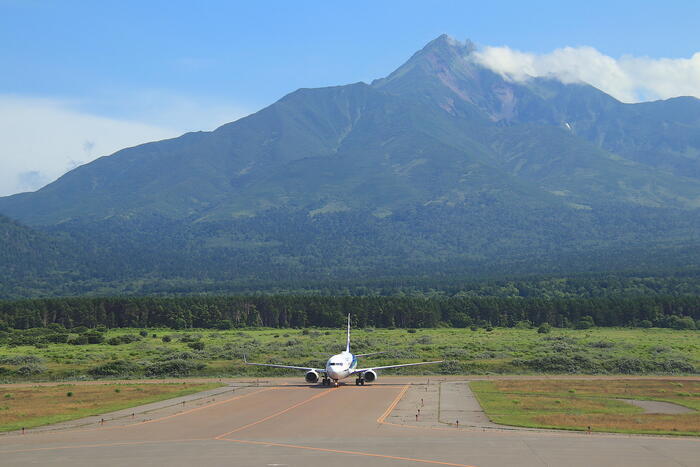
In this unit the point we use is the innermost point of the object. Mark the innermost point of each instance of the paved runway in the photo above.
(300, 425)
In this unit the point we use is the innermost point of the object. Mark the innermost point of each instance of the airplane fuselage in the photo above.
(341, 366)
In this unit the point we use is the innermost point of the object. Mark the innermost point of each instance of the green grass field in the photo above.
(166, 352)
(28, 407)
(578, 405)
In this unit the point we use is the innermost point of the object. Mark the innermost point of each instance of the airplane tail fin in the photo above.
(347, 347)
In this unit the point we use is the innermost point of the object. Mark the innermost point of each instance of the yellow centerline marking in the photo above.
(393, 404)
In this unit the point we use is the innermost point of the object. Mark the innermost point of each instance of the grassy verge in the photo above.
(578, 405)
(45, 405)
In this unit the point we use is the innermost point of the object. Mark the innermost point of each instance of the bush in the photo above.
(94, 337)
(563, 364)
(196, 345)
(166, 338)
(645, 323)
(411, 331)
(78, 340)
(115, 368)
(174, 368)
(602, 344)
(545, 328)
(22, 360)
(585, 322)
(31, 369)
(224, 325)
(57, 338)
(681, 322)
(143, 333)
(525, 324)
(450, 367)
(79, 330)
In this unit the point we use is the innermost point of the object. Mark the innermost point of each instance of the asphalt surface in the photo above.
(397, 421)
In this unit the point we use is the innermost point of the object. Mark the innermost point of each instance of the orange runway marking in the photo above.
(281, 412)
(340, 451)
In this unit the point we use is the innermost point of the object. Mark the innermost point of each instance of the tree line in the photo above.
(283, 311)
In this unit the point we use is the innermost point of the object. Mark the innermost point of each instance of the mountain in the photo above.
(442, 167)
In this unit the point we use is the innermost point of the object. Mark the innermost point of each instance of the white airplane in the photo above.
(340, 367)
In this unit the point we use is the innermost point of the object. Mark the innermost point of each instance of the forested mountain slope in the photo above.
(442, 168)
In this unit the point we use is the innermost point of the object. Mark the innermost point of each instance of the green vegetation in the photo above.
(45, 405)
(580, 404)
(501, 350)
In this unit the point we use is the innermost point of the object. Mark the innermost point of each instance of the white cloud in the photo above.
(44, 138)
(629, 79)
(41, 139)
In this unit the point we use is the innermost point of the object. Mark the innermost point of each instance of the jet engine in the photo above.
(369, 376)
(311, 377)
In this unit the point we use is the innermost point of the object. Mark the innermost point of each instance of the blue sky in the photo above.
(154, 69)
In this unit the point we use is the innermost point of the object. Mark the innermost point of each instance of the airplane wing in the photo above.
(362, 370)
(303, 368)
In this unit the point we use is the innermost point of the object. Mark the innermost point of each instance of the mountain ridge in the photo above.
(443, 165)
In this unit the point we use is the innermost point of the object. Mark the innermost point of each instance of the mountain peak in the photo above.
(448, 43)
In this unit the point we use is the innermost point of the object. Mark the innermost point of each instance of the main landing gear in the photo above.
(327, 382)
(359, 382)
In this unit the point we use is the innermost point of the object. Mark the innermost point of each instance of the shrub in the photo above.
(143, 333)
(114, 341)
(94, 337)
(645, 323)
(79, 330)
(545, 328)
(224, 325)
(586, 322)
(115, 368)
(166, 338)
(681, 322)
(450, 367)
(196, 345)
(411, 331)
(78, 340)
(69, 394)
(31, 369)
(56, 327)
(174, 368)
(601, 344)
(57, 338)
(129, 338)
(22, 360)
(563, 364)
(525, 324)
